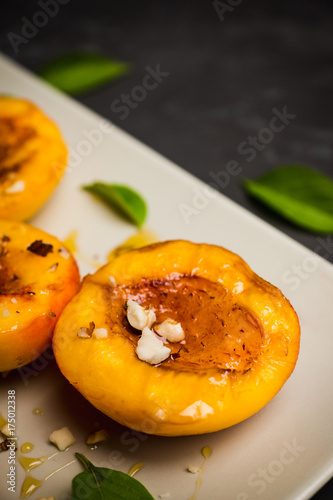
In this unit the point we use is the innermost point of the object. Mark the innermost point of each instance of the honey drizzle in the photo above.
(206, 453)
(133, 470)
(71, 241)
(27, 447)
(72, 245)
(29, 486)
(38, 411)
(29, 463)
(140, 239)
(59, 469)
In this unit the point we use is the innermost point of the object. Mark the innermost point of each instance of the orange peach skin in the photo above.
(34, 289)
(168, 399)
(33, 158)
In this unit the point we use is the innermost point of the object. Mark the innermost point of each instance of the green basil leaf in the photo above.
(99, 483)
(122, 198)
(300, 194)
(80, 72)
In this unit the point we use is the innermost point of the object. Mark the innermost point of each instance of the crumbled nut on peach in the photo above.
(17, 187)
(138, 317)
(62, 438)
(170, 330)
(53, 268)
(5, 313)
(83, 333)
(150, 348)
(97, 437)
(112, 281)
(64, 253)
(100, 333)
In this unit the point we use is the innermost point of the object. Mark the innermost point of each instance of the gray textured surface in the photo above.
(224, 80)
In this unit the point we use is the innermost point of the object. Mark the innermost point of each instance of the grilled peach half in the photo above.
(240, 345)
(33, 158)
(38, 277)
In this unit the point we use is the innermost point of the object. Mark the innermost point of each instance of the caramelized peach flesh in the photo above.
(241, 339)
(38, 277)
(33, 158)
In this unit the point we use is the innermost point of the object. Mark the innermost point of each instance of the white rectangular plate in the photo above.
(283, 452)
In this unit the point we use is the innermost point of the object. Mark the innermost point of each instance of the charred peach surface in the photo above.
(33, 158)
(240, 343)
(38, 277)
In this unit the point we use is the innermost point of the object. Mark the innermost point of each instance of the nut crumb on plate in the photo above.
(193, 469)
(5, 430)
(62, 438)
(97, 437)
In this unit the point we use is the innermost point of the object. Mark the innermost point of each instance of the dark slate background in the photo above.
(225, 77)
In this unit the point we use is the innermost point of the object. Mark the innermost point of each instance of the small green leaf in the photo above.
(80, 72)
(99, 483)
(122, 198)
(300, 194)
(97, 476)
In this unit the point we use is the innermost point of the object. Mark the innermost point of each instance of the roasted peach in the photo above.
(239, 344)
(33, 158)
(38, 277)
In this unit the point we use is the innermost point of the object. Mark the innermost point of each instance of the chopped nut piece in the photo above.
(40, 248)
(100, 333)
(97, 437)
(138, 317)
(62, 438)
(170, 330)
(85, 333)
(164, 495)
(193, 469)
(150, 348)
(5, 431)
(5, 313)
(112, 281)
(151, 318)
(53, 268)
(64, 253)
(17, 187)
